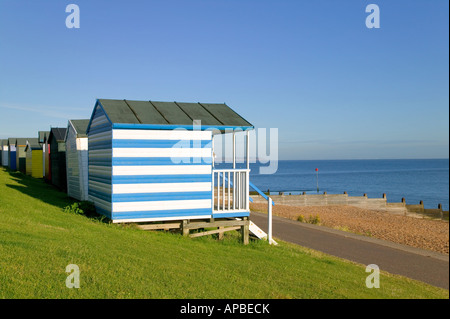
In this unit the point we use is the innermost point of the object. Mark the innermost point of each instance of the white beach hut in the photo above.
(77, 159)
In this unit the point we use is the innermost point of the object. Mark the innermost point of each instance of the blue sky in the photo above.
(333, 88)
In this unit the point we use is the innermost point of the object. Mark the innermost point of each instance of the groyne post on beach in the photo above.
(364, 201)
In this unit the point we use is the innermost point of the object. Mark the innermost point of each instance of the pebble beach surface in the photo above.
(416, 232)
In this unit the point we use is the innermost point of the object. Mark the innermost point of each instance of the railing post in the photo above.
(234, 190)
(247, 190)
(248, 149)
(213, 192)
(229, 178)
(243, 191)
(212, 150)
(247, 174)
(218, 191)
(223, 190)
(269, 229)
(237, 190)
(240, 190)
(234, 150)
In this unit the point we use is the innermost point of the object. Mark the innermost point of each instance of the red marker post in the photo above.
(317, 174)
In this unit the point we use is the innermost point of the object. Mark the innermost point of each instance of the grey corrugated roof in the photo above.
(57, 133)
(23, 141)
(197, 112)
(33, 143)
(80, 127)
(12, 141)
(173, 113)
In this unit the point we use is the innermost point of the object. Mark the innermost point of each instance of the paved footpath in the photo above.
(419, 264)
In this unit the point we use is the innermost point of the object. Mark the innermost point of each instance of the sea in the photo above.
(412, 179)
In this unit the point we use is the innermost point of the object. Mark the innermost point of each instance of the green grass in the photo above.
(38, 240)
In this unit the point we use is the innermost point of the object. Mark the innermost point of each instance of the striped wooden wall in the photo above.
(149, 175)
(99, 162)
(161, 174)
(76, 161)
(29, 161)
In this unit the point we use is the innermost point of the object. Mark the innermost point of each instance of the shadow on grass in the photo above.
(47, 193)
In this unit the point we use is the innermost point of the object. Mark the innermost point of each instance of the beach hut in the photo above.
(58, 157)
(42, 135)
(1, 151)
(33, 152)
(77, 159)
(21, 156)
(4, 152)
(148, 162)
(46, 160)
(12, 154)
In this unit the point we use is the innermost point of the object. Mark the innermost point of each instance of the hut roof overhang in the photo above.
(12, 141)
(80, 128)
(152, 115)
(22, 142)
(43, 136)
(33, 144)
(58, 133)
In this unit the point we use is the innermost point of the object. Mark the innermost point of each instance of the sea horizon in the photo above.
(412, 179)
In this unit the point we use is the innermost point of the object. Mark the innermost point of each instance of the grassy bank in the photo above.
(38, 240)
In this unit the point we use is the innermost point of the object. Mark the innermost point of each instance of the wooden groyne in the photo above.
(363, 201)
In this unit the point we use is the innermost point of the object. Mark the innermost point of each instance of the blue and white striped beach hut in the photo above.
(148, 162)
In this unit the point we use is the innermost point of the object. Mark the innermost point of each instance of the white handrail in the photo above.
(270, 203)
(224, 200)
(269, 227)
